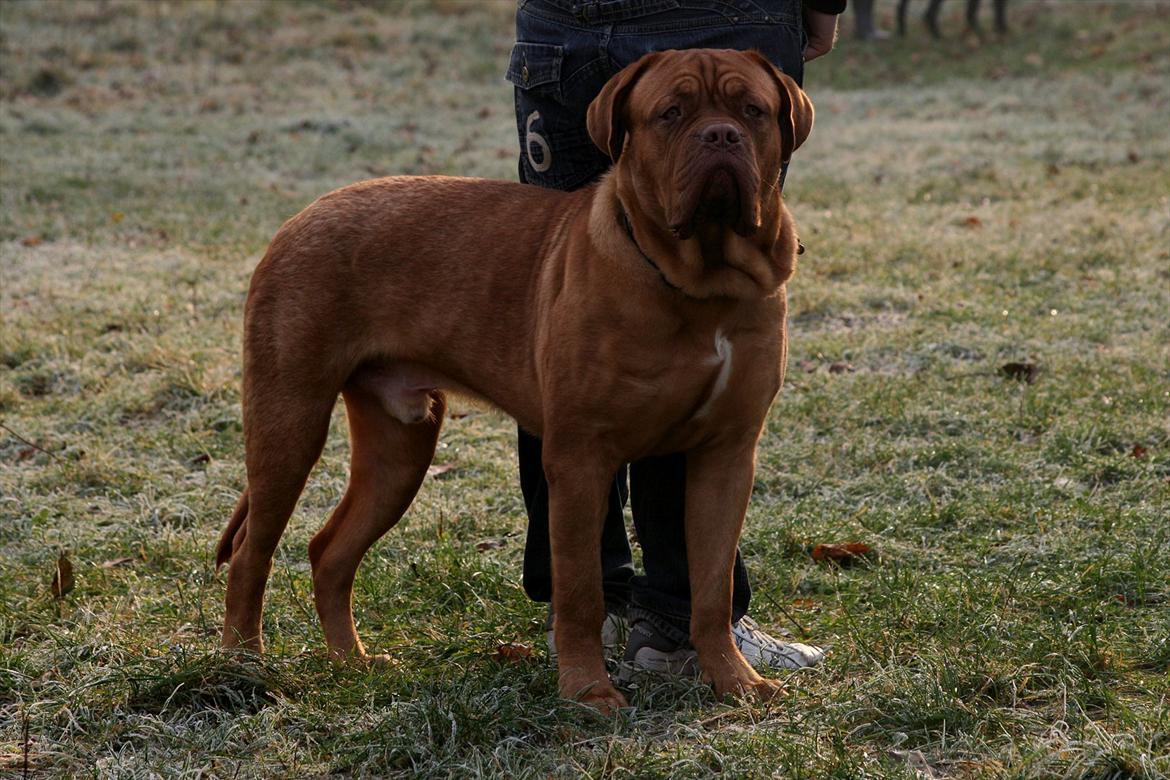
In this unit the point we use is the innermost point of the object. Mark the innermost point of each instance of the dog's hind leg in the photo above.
(281, 450)
(388, 462)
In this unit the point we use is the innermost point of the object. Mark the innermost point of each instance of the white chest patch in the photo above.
(722, 359)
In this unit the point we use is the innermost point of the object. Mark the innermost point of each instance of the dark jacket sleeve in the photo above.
(826, 6)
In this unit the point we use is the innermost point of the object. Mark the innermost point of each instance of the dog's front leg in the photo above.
(719, 484)
(577, 489)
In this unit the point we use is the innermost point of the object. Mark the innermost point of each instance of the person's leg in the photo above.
(555, 152)
(864, 23)
(863, 27)
(660, 599)
(616, 563)
(658, 485)
(663, 594)
(930, 18)
(1001, 17)
(660, 605)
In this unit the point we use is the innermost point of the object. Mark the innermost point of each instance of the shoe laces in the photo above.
(749, 630)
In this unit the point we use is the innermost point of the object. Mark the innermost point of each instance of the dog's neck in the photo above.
(625, 218)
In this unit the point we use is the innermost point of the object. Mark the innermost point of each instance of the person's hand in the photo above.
(822, 33)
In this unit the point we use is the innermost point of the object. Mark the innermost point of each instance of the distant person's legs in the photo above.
(864, 25)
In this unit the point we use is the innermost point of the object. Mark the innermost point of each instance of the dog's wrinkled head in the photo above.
(704, 132)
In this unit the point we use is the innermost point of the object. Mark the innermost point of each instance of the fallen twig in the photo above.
(34, 445)
(804, 634)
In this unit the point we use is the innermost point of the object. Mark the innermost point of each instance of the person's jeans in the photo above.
(565, 52)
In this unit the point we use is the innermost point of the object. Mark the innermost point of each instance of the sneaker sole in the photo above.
(648, 661)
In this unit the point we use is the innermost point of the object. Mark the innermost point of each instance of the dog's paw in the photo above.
(597, 693)
(742, 681)
(607, 701)
(765, 689)
(359, 657)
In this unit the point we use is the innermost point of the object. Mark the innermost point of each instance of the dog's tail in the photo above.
(233, 535)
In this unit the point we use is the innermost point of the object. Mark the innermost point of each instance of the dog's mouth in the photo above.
(719, 201)
(720, 195)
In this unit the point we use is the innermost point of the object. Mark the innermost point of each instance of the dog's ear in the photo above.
(606, 117)
(796, 110)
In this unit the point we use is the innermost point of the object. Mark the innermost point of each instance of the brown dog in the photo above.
(642, 315)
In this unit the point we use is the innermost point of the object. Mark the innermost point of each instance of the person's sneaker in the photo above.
(614, 631)
(764, 651)
(650, 651)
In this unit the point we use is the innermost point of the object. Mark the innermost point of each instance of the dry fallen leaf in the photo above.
(435, 470)
(490, 544)
(32, 241)
(18, 760)
(1139, 452)
(844, 554)
(973, 222)
(118, 562)
(918, 763)
(62, 578)
(513, 653)
(1020, 371)
(841, 367)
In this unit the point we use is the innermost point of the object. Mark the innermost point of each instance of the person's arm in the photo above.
(820, 23)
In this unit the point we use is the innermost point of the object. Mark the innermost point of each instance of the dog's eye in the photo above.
(674, 112)
(753, 111)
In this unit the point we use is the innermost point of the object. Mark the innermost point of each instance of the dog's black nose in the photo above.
(722, 135)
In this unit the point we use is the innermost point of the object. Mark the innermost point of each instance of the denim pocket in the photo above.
(555, 148)
(536, 65)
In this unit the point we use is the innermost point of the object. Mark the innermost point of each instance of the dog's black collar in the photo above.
(630, 232)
